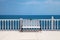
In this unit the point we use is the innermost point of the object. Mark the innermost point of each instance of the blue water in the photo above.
(29, 16)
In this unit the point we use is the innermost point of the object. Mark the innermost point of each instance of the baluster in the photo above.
(0, 24)
(10, 24)
(44, 24)
(57, 24)
(21, 24)
(41, 24)
(18, 24)
(13, 24)
(54, 26)
(52, 22)
(5, 24)
(49, 24)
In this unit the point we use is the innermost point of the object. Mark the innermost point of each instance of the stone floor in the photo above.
(16, 35)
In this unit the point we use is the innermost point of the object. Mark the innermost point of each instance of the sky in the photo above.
(29, 7)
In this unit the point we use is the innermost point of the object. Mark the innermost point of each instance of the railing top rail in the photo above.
(29, 19)
(8, 19)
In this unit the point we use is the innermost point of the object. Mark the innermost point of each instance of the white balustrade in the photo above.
(48, 23)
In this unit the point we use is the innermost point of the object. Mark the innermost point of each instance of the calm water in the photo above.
(29, 16)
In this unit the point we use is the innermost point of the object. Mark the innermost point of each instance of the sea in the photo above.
(29, 16)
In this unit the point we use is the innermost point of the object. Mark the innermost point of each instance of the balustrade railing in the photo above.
(17, 24)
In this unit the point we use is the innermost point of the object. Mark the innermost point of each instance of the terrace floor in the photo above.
(16, 35)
